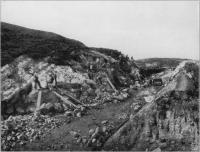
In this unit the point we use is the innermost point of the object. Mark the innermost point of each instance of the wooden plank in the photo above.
(65, 100)
(110, 83)
(76, 100)
(71, 97)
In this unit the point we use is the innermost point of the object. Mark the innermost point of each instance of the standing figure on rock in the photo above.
(137, 75)
(36, 82)
(51, 80)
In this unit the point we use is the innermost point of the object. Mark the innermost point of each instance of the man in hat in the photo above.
(51, 80)
(34, 79)
(37, 84)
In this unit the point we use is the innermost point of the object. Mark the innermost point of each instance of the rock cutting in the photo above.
(67, 96)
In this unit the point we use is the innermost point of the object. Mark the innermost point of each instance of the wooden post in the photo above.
(38, 102)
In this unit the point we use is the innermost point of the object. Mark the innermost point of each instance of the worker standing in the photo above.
(55, 79)
(36, 82)
(51, 80)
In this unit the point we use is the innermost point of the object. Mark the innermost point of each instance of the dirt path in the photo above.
(61, 139)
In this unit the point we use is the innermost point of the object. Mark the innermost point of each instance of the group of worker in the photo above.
(51, 81)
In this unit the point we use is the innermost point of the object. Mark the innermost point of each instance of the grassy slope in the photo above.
(110, 52)
(16, 41)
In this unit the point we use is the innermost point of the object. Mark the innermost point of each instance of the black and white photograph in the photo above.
(100, 75)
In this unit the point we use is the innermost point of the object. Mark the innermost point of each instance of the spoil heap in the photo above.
(19, 130)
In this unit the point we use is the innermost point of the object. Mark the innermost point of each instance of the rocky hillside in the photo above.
(25, 49)
(54, 49)
(102, 100)
(85, 76)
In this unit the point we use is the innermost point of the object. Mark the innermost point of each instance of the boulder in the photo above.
(91, 92)
(46, 107)
(79, 140)
(78, 114)
(31, 108)
(125, 90)
(125, 95)
(91, 131)
(10, 110)
(49, 106)
(68, 113)
(65, 107)
(76, 111)
(104, 129)
(84, 139)
(157, 150)
(104, 122)
(136, 107)
(149, 98)
(74, 134)
(83, 109)
(119, 97)
(94, 140)
(58, 107)
(96, 133)
(20, 110)
(116, 101)
(97, 130)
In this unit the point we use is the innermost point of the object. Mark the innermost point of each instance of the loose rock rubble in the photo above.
(99, 135)
(96, 136)
(19, 130)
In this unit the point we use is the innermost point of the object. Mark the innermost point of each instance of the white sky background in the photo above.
(141, 29)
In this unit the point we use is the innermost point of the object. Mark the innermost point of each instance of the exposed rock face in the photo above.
(23, 103)
(157, 126)
(17, 76)
(18, 95)
(170, 122)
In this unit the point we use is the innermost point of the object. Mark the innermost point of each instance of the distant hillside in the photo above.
(158, 62)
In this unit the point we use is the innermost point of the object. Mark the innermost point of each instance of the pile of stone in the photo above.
(18, 130)
(100, 95)
(96, 136)
(79, 112)
(46, 108)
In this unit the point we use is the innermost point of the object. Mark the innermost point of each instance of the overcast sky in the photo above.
(141, 29)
